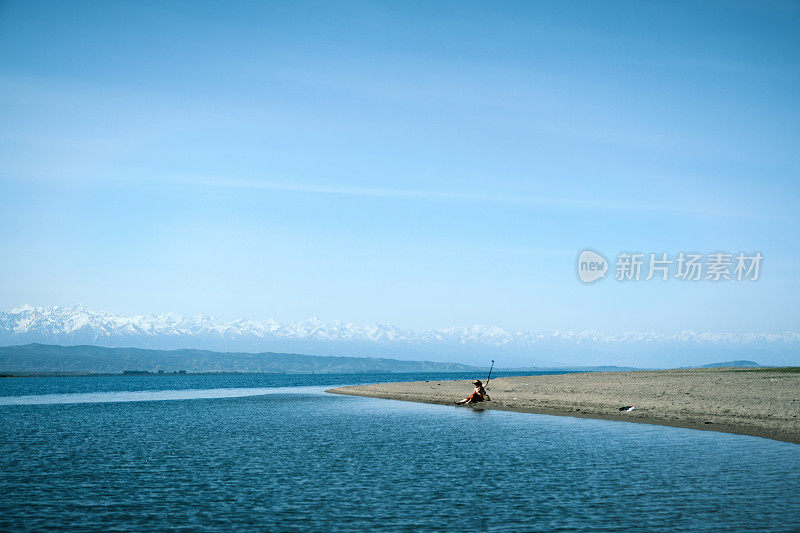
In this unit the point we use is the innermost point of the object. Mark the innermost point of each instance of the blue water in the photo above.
(250, 452)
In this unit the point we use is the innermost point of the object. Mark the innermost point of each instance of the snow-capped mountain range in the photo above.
(78, 325)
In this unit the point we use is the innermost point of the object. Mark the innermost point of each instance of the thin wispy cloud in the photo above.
(542, 201)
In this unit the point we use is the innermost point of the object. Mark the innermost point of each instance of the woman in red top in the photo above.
(478, 395)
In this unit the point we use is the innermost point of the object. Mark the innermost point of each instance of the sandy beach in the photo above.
(757, 402)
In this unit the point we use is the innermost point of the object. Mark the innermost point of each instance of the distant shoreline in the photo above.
(79, 374)
(762, 402)
(44, 374)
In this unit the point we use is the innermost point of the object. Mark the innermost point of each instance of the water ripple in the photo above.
(149, 395)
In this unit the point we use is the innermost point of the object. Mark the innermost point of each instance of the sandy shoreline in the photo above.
(761, 403)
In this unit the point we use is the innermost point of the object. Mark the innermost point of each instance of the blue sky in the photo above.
(427, 164)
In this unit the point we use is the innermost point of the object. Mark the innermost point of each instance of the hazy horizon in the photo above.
(474, 345)
(316, 319)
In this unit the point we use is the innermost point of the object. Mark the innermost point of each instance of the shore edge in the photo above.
(645, 416)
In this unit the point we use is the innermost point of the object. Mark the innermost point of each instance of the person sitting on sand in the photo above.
(478, 395)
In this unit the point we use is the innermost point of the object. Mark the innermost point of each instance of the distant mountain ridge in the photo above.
(53, 358)
(79, 321)
(732, 364)
(472, 345)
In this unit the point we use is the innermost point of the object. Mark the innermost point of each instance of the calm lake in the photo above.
(274, 452)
